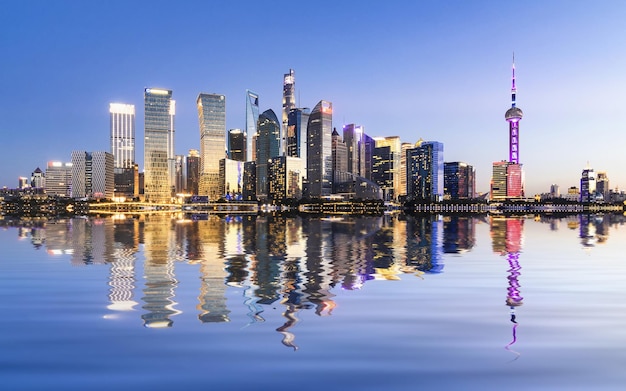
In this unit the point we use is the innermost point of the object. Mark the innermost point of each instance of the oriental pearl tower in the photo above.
(513, 116)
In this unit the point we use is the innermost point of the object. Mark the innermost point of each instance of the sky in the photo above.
(431, 70)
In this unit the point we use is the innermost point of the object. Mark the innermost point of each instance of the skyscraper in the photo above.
(289, 102)
(319, 153)
(252, 116)
(125, 169)
(267, 147)
(296, 137)
(588, 185)
(159, 159)
(353, 137)
(212, 119)
(236, 145)
(193, 171)
(122, 134)
(459, 180)
(425, 171)
(59, 179)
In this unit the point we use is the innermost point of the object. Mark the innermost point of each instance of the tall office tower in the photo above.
(391, 189)
(252, 117)
(353, 137)
(458, 181)
(122, 134)
(38, 179)
(237, 145)
(267, 147)
(319, 153)
(340, 156)
(425, 172)
(181, 174)
(193, 171)
(231, 178)
(92, 174)
(507, 181)
(285, 174)
(368, 153)
(212, 118)
(59, 179)
(122, 123)
(588, 185)
(404, 147)
(382, 170)
(159, 111)
(297, 122)
(289, 103)
(249, 181)
(602, 185)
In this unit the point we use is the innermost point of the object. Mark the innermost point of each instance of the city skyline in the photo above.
(403, 75)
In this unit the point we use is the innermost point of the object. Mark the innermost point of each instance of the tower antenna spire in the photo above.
(513, 89)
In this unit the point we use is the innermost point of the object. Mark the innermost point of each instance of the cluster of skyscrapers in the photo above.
(275, 158)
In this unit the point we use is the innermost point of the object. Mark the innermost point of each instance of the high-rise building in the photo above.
(368, 154)
(267, 147)
(319, 153)
(122, 124)
(236, 145)
(289, 102)
(404, 147)
(340, 156)
(159, 159)
(507, 181)
(252, 117)
(193, 171)
(122, 134)
(296, 141)
(602, 185)
(212, 118)
(459, 181)
(59, 179)
(231, 176)
(249, 181)
(285, 174)
(389, 180)
(353, 137)
(92, 175)
(588, 185)
(38, 179)
(425, 172)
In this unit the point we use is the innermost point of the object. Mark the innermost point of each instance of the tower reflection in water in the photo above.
(506, 234)
(291, 262)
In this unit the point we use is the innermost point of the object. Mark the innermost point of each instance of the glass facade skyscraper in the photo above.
(212, 119)
(296, 134)
(289, 102)
(267, 147)
(252, 116)
(159, 159)
(319, 154)
(237, 145)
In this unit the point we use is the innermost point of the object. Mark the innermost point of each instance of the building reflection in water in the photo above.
(506, 234)
(289, 262)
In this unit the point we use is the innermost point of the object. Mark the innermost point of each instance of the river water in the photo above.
(159, 302)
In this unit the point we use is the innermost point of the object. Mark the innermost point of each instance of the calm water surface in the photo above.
(267, 303)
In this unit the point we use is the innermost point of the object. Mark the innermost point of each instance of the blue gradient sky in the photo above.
(437, 70)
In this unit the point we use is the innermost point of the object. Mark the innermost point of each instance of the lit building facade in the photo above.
(252, 117)
(459, 181)
(425, 172)
(231, 177)
(340, 157)
(159, 159)
(236, 145)
(249, 181)
(193, 171)
(285, 176)
(588, 185)
(391, 189)
(289, 102)
(267, 147)
(602, 186)
(319, 153)
(92, 175)
(59, 179)
(296, 133)
(122, 134)
(212, 119)
(38, 179)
